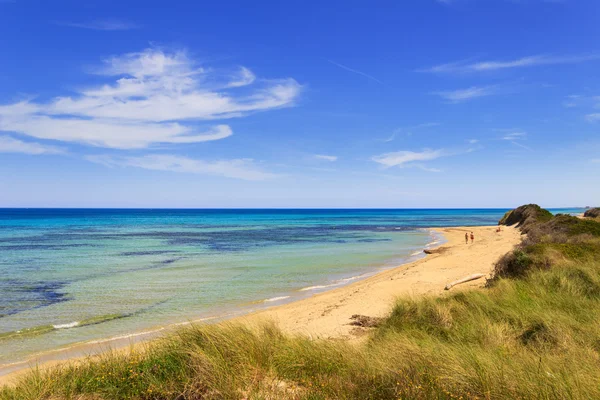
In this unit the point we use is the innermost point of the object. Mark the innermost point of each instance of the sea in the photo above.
(83, 275)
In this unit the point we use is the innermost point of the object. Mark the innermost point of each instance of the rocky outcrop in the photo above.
(592, 213)
(525, 216)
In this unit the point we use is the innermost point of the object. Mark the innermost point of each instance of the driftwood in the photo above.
(439, 250)
(463, 280)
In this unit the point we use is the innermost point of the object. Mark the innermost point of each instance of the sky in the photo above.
(351, 104)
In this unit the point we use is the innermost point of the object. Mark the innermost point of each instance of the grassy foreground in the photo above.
(533, 333)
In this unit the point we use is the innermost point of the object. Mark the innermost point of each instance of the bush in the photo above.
(592, 213)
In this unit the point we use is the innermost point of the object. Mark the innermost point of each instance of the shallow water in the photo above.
(72, 275)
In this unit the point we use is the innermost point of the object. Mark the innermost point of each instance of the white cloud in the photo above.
(428, 169)
(237, 168)
(402, 158)
(11, 145)
(514, 136)
(457, 96)
(530, 61)
(521, 145)
(356, 71)
(595, 117)
(326, 157)
(155, 97)
(102, 25)
(473, 141)
(244, 78)
(389, 138)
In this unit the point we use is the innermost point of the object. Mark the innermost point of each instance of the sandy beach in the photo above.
(328, 314)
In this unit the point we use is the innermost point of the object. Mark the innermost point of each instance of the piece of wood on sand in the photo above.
(463, 280)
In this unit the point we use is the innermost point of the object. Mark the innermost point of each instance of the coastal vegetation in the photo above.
(592, 213)
(533, 332)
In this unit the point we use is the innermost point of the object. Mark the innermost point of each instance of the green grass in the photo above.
(535, 336)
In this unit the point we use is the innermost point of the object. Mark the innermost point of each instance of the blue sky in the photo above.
(423, 103)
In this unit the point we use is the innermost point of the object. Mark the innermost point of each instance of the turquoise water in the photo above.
(73, 275)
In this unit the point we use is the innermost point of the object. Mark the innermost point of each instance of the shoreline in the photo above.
(327, 314)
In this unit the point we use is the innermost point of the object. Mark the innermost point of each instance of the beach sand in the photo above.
(328, 314)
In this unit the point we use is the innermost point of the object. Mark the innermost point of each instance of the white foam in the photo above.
(352, 278)
(66, 326)
(416, 253)
(334, 284)
(276, 299)
(318, 287)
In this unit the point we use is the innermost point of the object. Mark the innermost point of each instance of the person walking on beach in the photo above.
(466, 238)
(472, 237)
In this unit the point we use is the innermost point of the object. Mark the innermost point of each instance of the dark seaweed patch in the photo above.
(146, 252)
(168, 261)
(18, 296)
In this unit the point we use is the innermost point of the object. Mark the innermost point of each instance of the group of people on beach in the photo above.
(467, 237)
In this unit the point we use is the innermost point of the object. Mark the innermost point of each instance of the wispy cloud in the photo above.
(12, 145)
(521, 145)
(356, 71)
(594, 117)
(473, 92)
(237, 168)
(405, 157)
(245, 77)
(516, 135)
(473, 141)
(154, 97)
(389, 138)
(101, 25)
(407, 131)
(530, 61)
(326, 157)
(425, 168)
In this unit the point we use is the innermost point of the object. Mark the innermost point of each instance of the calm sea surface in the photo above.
(72, 275)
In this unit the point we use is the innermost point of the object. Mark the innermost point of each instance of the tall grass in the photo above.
(536, 335)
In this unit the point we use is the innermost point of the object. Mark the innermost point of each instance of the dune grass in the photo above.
(533, 334)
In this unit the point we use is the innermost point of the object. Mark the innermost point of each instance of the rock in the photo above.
(592, 213)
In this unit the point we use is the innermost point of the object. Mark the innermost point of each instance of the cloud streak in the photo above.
(12, 145)
(594, 117)
(244, 169)
(154, 97)
(473, 92)
(530, 61)
(405, 157)
(356, 71)
(326, 157)
(102, 25)
(512, 136)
